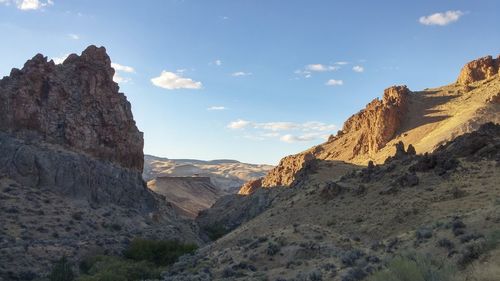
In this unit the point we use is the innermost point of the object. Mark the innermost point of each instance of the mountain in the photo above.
(226, 175)
(71, 165)
(426, 119)
(408, 189)
(189, 195)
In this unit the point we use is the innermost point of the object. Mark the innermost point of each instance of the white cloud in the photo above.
(284, 131)
(172, 81)
(241, 73)
(342, 63)
(358, 68)
(293, 138)
(217, 108)
(119, 79)
(333, 82)
(30, 4)
(122, 68)
(74, 36)
(441, 18)
(60, 59)
(218, 62)
(321, 67)
(238, 124)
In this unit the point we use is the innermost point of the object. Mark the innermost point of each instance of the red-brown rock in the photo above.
(480, 69)
(75, 105)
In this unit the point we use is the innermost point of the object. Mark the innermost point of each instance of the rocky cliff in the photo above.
(68, 128)
(75, 105)
(71, 165)
(480, 69)
(425, 119)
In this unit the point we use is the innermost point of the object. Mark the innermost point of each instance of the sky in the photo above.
(254, 80)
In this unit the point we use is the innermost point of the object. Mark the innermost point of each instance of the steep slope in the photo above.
(443, 205)
(71, 168)
(425, 119)
(189, 194)
(227, 175)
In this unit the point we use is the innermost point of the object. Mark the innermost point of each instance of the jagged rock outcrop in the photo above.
(368, 130)
(250, 187)
(71, 165)
(480, 69)
(75, 105)
(67, 128)
(379, 121)
(284, 174)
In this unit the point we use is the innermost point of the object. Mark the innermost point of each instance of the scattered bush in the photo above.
(414, 268)
(216, 231)
(493, 240)
(446, 243)
(157, 252)
(62, 271)
(272, 249)
(349, 258)
(107, 268)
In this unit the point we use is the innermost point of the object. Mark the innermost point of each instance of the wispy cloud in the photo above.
(74, 36)
(241, 73)
(283, 131)
(238, 124)
(119, 79)
(27, 5)
(173, 81)
(212, 108)
(333, 82)
(122, 68)
(321, 67)
(218, 62)
(358, 68)
(441, 18)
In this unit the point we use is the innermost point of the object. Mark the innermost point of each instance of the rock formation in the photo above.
(366, 132)
(425, 119)
(250, 187)
(379, 121)
(480, 69)
(67, 127)
(71, 166)
(75, 105)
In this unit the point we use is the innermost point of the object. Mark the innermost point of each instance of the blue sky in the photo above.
(254, 80)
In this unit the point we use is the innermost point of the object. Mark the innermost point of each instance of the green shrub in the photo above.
(414, 268)
(493, 240)
(158, 252)
(215, 231)
(107, 268)
(62, 271)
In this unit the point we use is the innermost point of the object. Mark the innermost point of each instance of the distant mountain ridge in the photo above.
(226, 174)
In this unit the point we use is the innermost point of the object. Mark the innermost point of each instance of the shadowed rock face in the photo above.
(67, 128)
(75, 105)
(480, 69)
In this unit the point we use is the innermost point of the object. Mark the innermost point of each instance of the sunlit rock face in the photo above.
(480, 69)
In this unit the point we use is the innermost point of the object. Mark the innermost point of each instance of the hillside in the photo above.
(425, 119)
(442, 206)
(71, 164)
(227, 175)
(410, 185)
(189, 195)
